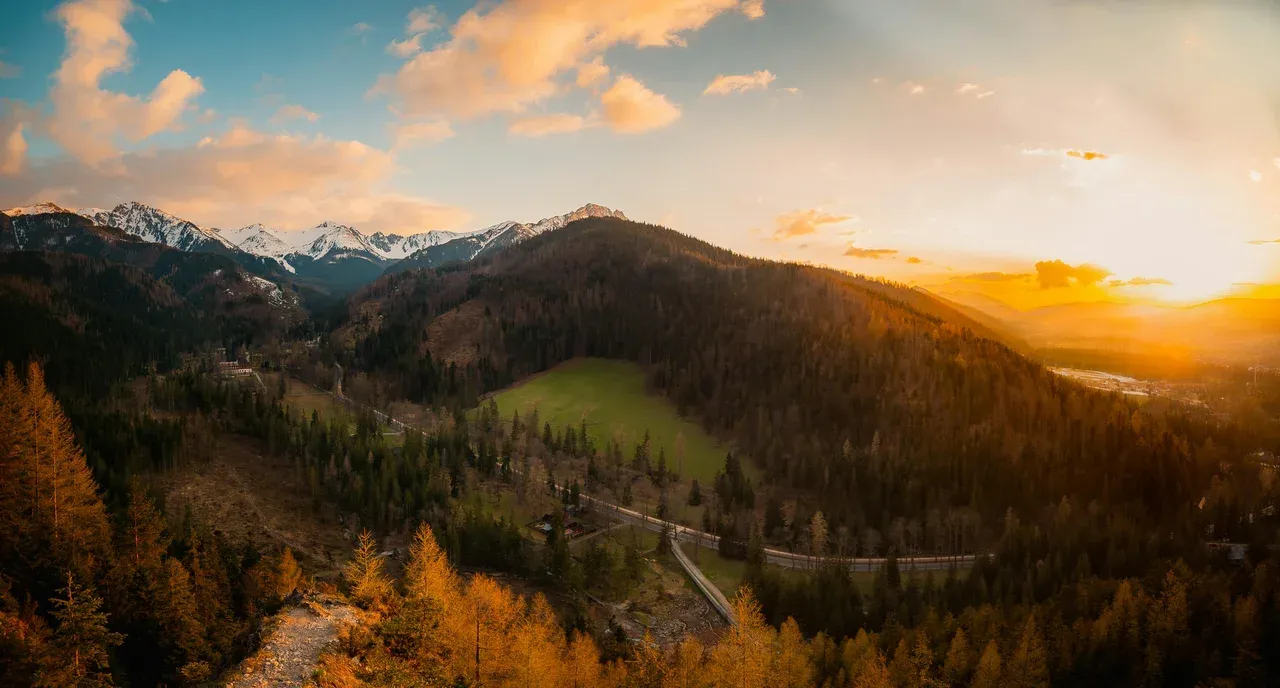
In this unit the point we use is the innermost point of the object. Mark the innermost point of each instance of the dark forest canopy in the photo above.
(883, 401)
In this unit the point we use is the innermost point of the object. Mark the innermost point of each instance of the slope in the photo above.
(830, 382)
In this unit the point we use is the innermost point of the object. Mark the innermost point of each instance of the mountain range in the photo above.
(332, 257)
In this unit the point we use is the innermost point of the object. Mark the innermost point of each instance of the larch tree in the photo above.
(989, 672)
(743, 656)
(818, 534)
(369, 585)
(958, 665)
(792, 667)
(1028, 668)
(288, 574)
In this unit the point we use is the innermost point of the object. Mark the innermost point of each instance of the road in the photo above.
(775, 557)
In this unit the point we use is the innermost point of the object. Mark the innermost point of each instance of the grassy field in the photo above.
(611, 396)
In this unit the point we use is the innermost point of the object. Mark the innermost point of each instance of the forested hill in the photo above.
(832, 383)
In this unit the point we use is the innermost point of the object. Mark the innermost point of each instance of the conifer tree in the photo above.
(957, 666)
(1028, 668)
(369, 585)
(989, 673)
(81, 642)
(288, 575)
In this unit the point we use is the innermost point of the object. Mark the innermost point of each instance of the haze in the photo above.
(922, 140)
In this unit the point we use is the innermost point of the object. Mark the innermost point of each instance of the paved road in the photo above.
(775, 557)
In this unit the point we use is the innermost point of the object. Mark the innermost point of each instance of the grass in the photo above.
(303, 399)
(610, 395)
(725, 574)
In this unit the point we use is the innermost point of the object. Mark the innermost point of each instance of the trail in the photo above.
(290, 653)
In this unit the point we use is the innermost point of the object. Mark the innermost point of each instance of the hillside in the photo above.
(831, 383)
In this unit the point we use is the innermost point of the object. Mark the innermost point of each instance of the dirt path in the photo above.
(288, 657)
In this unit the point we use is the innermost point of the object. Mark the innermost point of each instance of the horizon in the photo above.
(926, 154)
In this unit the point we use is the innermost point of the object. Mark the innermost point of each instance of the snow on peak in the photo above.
(395, 246)
(157, 226)
(588, 210)
(37, 209)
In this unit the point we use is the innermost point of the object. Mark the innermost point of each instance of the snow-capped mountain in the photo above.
(503, 234)
(37, 209)
(331, 256)
(395, 247)
(157, 226)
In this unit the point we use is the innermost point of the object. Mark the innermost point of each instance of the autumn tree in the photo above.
(369, 585)
(989, 673)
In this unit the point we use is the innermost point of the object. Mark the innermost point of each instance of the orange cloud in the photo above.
(506, 56)
(1086, 155)
(870, 253)
(739, 83)
(13, 146)
(542, 125)
(804, 222)
(419, 133)
(423, 20)
(753, 9)
(914, 260)
(292, 112)
(1140, 282)
(243, 176)
(405, 48)
(631, 108)
(1054, 274)
(592, 73)
(86, 119)
(991, 277)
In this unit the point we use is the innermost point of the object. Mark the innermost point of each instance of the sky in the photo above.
(1038, 151)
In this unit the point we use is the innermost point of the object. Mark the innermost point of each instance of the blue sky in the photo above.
(919, 139)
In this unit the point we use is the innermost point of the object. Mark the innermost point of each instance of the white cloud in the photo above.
(359, 28)
(423, 20)
(740, 83)
(631, 108)
(406, 48)
(966, 87)
(913, 88)
(1255, 176)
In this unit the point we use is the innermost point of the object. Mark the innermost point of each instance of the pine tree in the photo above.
(695, 493)
(81, 642)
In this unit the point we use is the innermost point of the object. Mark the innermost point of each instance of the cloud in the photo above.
(966, 87)
(1140, 282)
(13, 147)
(243, 176)
(1264, 242)
(404, 135)
(985, 94)
(753, 9)
(291, 112)
(792, 90)
(631, 108)
(423, 20)
(1277, 163)
(992, 277)
(506, 56)
(870, 253)
(542, 125)
(591, 73)
(9, 71)
(1052, 274)
(739, 83)
(803, 223)
(1086, 155)
(87, 120)
(407, 48)
(360, 28)
(913, 88)
(914, 260)
(1255, 176)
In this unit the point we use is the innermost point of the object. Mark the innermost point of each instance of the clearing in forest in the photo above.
(611, 396)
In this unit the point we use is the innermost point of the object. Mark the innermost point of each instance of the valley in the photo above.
(881, 475)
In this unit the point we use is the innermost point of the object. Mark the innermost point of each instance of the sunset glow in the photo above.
(919, 140)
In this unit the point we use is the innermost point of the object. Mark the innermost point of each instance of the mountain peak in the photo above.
(37, 209)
